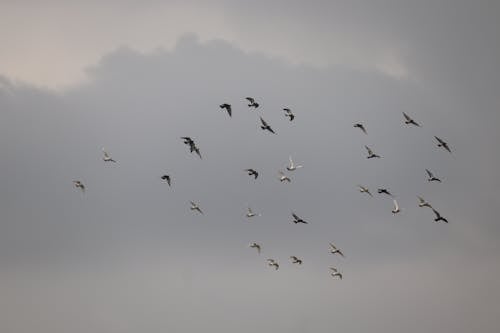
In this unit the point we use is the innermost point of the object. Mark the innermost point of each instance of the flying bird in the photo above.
(79, 184)
(361, 127)
(443, 144)
(195, 206)
(289, 114)
(337, 274)
(252, 172)
(396, 207)
(255, 246)
(384, 191)
(335, 250)
(227, 107)
(265, 126)
(423, 203)
(187, 140)
(283, 177)
(107, 157)
(371, 154)
(409, 120)
(297, 219)
(431, 177)
(363, 189)
(192, 146)
(439, 217)
(273, 263)
(250, 213)
(295, 260)
(292, 166)
(252, 102)
(167, 179)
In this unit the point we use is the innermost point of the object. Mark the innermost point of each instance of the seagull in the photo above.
(396, 207)
(252, 102)
(255, 246)
(292, 166)
(283, 177)
(265, 126)
(227, 107)
(361, 127)
(295, 260)
(297, 219)
(273, 263)
(250, 213)
(195, 206)
(432, 178)
(107, 157)
(79, 184)
(443, 144)
(423, 203)
(337, 274)
(409, 121)
(289, 114)
(438, 216)
(335, 250)
(371, 154)
(166, 178)
(252, 172)
(363, 189)
(385, 191)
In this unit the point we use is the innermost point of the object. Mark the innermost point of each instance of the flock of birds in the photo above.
(334, 272)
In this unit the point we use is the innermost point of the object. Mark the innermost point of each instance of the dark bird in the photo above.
(265, 126)
(438, 216)
(166, 178)
(443, 144)
(252, 172)
(431, 177)
(335, 250)
(295, 260)
(289, 114)
(371, 154)
(79, 184)
(273, 263)
(252, 102)
(384, 191)
(187, 140)
(192, 146)
(409, 121)
(255, 246)
(361, 127)
(297, 219)
(227, 107)
(194, 206)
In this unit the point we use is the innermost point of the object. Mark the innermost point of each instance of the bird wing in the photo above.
(370, 152)
(439, 140)
(250, 99)
(295, 216)
(263, 122)
(396, 206)
(333, 246)
(437, 213)
(407, 117)
(429, 173)
(420, 199)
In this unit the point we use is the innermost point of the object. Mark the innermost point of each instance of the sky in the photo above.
(133, 77)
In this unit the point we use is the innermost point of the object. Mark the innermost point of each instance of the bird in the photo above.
(250, 213)
(192, 146)
(107, 157)
(195, 206)
(273, 263)
(363, 189)
(265, 126)
(337, 274)
(409, 121)
(361, 127)
(335, 250)
(295, 260)
(227, 107)
(252, 102)
(371, 154)
(167, 179)
(443, 144)
(385, 191)
(439, 217)
(396, 207)
(187, 140)
(79, 184)
(255, 246)
(289, 114)
(297, 219)
(252, 172)
(432, 178)
(283, 177)
(423, 203)
(292, 166)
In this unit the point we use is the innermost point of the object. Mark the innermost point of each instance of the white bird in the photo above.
(283, 177)
(431, 177)
(337, 274)
(79, 184)
(409, 121)
(255, 246)
(371, 154)
(363, 189)
(195, 206)
(250, 213)
(423, 203)
(396, 207)
(295, 260)
(273, 263)
(292, 166)
(107, 157)
(335, 250)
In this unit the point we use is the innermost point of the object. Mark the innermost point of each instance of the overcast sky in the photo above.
(134, 76)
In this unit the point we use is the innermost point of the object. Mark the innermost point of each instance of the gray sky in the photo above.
(129, 256)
